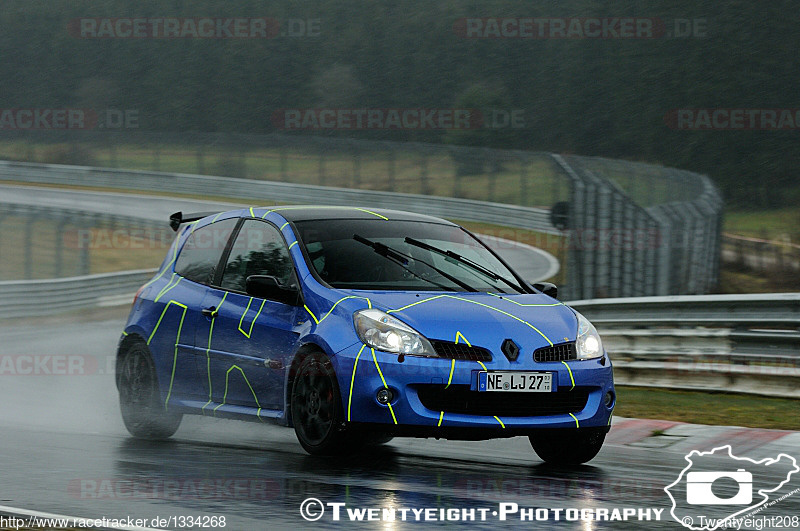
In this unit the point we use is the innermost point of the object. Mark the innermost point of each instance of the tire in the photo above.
(574, 447)
(317, 408)
(140, 403)
(377, 439)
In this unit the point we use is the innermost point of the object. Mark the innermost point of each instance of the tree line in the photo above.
(677, 95)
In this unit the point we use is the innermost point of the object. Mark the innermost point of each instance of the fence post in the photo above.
(493, 163)
(356, 168)
(58, 269)
(157, 158)
(424, 185)
(199, 157)
(391, 168)
(456, 172)
(283, 163)
(321, 174)
(523, 181)
(2, 218)
(112, 153)
(243, 161)
(28, 248)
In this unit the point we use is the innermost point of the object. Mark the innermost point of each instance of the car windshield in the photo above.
(363, 262)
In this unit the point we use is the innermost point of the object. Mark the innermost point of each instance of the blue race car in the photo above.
(355, 326)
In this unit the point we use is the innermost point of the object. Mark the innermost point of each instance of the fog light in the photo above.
(609, 399)
(384, 396)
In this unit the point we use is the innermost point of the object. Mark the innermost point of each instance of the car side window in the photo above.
(259, 249)
(202, 251)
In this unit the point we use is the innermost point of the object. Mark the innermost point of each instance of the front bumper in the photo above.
(431, 396)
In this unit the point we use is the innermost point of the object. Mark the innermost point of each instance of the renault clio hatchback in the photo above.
(354, 326)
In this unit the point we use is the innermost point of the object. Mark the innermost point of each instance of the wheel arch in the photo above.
(302, 353)
(124, 344)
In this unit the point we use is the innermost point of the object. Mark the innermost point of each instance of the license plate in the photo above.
(515, 381)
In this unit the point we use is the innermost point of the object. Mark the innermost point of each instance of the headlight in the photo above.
(588, 344)
(380, 330)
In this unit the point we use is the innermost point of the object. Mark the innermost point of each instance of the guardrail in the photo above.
(621, 238)
(740, 343)
(35, 298)
(765, 256)
(55, 251)
(537, 219)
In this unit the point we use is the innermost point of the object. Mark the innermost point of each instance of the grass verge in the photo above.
(697, 407)
(536, 182)
(769, 224)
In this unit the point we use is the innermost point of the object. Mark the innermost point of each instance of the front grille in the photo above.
(560, 352)
(460, 351)
(459, 399)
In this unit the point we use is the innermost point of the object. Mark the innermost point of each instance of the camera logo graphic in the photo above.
(732, 485)
(699, 492)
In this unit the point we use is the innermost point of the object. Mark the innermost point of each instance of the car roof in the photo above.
(321, 213)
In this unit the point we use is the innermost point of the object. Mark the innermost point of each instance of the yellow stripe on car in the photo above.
(570, 374)
(177, 341)
(523, 321)
(352, 381)
(577, 424)
(375, 359)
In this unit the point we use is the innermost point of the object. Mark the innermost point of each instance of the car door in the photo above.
(252, 339)
(179, 302)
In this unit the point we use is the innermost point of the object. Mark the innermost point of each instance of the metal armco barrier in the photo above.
(738, 343)
(465, 209)
(35, 298)
(630, 229)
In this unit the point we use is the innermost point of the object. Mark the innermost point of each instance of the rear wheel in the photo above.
(317, 407)
(377, 439)
(572, 447)
(140, 403)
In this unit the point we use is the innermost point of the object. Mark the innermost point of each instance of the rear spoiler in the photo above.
(176, 219)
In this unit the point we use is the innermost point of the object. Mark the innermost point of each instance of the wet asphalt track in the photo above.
(64, 450)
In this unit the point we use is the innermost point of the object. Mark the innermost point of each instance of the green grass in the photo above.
(697, 407)
(769, 224)
(107, 251)
(536, 183)
(737, 281)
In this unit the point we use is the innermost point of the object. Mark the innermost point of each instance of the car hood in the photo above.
(481, 319)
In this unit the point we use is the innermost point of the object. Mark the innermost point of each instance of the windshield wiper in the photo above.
(402, 259)
(454, 256)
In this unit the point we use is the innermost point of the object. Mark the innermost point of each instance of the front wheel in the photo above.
(140, 397)
(573, 447)
(317, 408)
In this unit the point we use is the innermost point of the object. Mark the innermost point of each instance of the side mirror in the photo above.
(548, 288)
(268, 287)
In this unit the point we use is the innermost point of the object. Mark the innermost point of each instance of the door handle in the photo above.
(209, 312)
